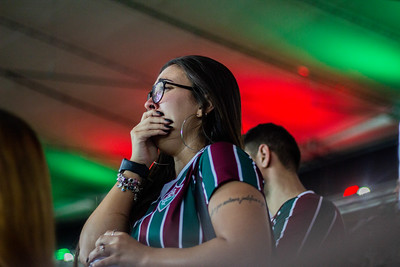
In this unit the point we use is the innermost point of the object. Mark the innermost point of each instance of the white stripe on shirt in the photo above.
(238, 163)
(162, 226)
(181, 223)
(311, 225)
(148, 229)
(213, 169)
(330, 228)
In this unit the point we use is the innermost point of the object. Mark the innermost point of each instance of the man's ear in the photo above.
(264, 155)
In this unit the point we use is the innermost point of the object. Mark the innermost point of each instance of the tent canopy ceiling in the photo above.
(79, 71)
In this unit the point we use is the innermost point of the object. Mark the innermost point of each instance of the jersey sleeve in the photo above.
(223, 162)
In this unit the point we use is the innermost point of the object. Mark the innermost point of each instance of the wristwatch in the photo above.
(140, 169)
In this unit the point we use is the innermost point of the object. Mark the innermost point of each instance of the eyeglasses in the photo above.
(158, 89)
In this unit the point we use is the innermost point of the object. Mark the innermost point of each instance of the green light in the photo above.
(359, 53)
(61, 252)
(78, 168)
(78, 183)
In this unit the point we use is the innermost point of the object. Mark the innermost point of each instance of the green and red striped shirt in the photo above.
(172, 220)
(306, 223)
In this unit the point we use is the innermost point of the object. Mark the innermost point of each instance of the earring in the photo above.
(183, 138)
(199, 112)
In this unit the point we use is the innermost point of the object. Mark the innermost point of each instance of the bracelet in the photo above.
(130, 184)
(140, 169)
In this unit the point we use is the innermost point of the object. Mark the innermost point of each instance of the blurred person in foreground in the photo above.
(190, 133)
(27, 236)
(303, 222)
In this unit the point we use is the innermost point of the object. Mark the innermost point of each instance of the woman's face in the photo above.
(178, 105)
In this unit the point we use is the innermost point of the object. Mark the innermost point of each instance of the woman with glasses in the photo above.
(186, 154)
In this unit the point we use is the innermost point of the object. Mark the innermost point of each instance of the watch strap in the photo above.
(140, 169)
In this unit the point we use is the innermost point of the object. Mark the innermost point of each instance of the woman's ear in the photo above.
(210, 106)
(264, 155)
(203, 111)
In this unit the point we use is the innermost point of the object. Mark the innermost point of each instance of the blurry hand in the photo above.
(116, 249)
(153, 123)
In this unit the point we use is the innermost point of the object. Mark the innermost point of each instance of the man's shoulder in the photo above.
(311, 197)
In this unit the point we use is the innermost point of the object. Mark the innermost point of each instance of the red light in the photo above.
(350, 190)
(303, 71)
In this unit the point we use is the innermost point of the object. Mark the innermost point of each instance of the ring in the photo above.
(113, 232)
(102, 247)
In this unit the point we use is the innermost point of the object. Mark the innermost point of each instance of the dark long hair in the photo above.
(212, 82)
(26, 207)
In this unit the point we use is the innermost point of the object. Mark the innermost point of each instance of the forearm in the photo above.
(112, 214)
(216, 252)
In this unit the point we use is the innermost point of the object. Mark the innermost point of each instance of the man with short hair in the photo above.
(302, 221)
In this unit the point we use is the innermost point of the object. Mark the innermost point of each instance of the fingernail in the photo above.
(168, 126)
(87, 259)
(167, 131)
(159, 113)
(168, 120)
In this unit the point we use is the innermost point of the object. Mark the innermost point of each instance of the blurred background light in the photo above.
(351, 190)
(64, 254)
(363, 190)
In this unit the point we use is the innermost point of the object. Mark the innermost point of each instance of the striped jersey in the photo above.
(305, 223)
(172, 220)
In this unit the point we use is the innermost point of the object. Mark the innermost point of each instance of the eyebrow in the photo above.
(163, 79)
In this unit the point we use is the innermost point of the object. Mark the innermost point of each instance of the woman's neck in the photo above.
(184, 156)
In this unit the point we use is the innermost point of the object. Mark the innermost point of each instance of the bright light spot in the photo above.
(60, 253)
(351, 190)
(68, 257)
(303, 71)
(363, 190)
(64, 254)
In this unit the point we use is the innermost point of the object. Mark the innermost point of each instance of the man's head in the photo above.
(278, 140)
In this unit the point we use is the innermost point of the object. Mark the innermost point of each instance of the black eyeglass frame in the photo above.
(164, 82)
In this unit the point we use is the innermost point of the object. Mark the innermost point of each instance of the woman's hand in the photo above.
(116, 249)
(153, 123)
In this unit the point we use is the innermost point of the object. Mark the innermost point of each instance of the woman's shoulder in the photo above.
(223, 145)
(223, 162)
(225, 151)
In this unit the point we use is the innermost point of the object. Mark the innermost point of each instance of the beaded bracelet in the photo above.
(130, 184)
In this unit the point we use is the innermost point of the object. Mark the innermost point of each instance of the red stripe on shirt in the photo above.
(223, 157)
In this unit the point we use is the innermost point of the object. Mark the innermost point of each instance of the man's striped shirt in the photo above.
(172, 220)
(306, 223)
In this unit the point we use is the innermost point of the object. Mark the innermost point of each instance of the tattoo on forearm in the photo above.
(239, 200)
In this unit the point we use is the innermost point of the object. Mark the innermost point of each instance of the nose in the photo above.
(149, 104)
